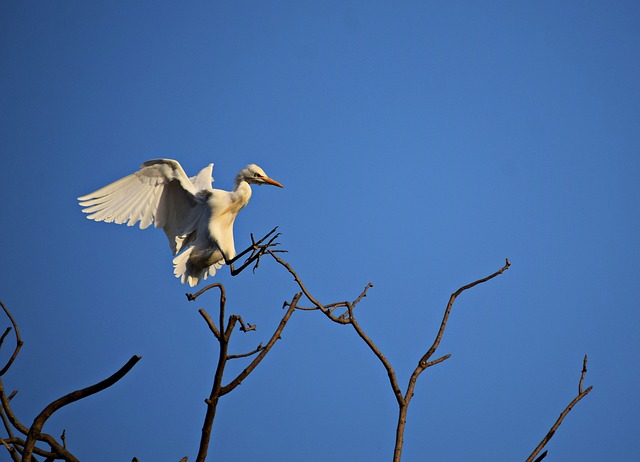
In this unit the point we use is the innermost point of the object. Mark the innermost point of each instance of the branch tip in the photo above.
(576, 400)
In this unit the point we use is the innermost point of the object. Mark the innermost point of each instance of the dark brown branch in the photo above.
(437, 361)
(19, 443)
(192, 297)
(393, 381)
(4, 335)
(34, 432)
(257, 249)
(583, 373)
(6, 406)
(244, 326)
(19, 341)
(245, 355)
(347, 317)
(574, 401)
(424, 362)
(304, 290)
(15, 457)
(9, 420)
(274, 338)
(223, 300)
(452, 299)
(253, 247)
(542, 456)
(223, 336)
(209, 321)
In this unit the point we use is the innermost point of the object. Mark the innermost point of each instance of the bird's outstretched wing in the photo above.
(160, 193)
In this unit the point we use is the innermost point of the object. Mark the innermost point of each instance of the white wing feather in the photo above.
(202, 181)
(160, 193)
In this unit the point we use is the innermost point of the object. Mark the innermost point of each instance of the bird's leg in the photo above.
(257, 249)
(253, 247)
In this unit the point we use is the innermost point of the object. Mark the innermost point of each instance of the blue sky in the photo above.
(419, 143)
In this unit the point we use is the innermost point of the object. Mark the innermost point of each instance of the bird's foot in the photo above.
(256, 250)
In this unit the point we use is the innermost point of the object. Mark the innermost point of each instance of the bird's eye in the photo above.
(257, 175)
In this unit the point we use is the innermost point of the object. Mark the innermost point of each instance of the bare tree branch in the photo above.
(245, 355)
(19, 341)
(34, 432)
(387, 365)
(15, 457)
(274, 338)
(244, 326)
(542, 456)
(6, 332)
(19, 443)
(424, 362)
(223, 335)
(581, 394)
(447, 312)
(209, 321)
(348, 317)
(341, 312)
(257, 249)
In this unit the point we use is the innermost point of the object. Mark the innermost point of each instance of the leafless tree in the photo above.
(23, 442)
(344, 313)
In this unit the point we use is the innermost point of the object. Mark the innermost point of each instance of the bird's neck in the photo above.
(242, 191)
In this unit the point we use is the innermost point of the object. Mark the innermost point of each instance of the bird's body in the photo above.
(197, 219)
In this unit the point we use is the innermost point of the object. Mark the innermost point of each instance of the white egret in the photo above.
(197, 219)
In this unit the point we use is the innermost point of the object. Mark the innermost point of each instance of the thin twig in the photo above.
(6, 332)
(6, 406)
(393, 381)
(244, 326)
(274, 338)
(257, 249)
(253, 247)
(447, 312)
(574, 401)
(245, 355)
(437, 361)
(5, 423)
(584, 372)
(19, 341)
(209, 321)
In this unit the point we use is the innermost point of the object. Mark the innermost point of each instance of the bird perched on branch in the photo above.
(197, 219)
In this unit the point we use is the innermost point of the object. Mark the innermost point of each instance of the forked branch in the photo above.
(257, 249)
(223, 336)
(348, 317)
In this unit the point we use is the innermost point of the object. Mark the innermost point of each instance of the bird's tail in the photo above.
(188, 272)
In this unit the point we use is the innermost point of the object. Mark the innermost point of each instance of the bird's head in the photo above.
(255, 175)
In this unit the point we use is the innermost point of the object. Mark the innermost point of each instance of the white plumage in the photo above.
(197, 219)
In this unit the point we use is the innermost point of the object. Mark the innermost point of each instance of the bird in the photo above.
(197, 219)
